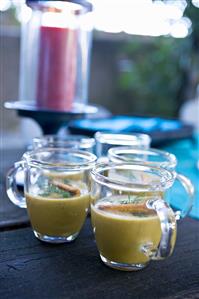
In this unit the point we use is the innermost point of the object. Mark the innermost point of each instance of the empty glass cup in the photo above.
(151, 156)
(56, 191)
(68, 141)
(104, 141)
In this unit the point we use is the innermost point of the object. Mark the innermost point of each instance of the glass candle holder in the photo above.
(55, 55)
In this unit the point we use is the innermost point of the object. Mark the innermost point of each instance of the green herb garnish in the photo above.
(53, 191)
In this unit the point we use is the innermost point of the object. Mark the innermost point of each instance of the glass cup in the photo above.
(131, 221)
(157, 158)
(80, 142)
(56, 191)
(104, 141)
(69, 141)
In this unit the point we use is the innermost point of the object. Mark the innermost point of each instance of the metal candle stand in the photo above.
(50, 121)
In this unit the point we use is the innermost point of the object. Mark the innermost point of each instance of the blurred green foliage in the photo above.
(153, 76)
(157, 75)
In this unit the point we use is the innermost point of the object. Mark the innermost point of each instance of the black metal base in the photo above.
(50, 121)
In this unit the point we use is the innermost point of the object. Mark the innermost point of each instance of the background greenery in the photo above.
(157, 75)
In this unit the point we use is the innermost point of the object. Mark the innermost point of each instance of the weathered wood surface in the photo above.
(32, 269)
(10, 215)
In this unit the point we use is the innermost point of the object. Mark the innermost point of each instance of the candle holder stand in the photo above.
(50, 121)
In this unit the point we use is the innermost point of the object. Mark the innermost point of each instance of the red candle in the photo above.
(56, 68)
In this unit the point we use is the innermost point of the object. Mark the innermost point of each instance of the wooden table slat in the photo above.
(32, 269)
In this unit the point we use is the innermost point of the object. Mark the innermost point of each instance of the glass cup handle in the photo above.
(168, 229)
(11, 186)
(188, 186)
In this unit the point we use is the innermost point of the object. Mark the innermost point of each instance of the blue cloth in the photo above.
(187, 153)
(122, 123)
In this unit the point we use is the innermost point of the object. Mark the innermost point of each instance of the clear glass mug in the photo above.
(104, 141)
(131, 221)
(56, 191)
(158, 158)
(68, 141)
(55, 141)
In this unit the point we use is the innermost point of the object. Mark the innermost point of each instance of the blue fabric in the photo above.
(128, 124)
(187, 153)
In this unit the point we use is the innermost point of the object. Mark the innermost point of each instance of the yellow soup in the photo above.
(57, 216)
(121, 235)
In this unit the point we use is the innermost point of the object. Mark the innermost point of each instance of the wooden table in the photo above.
(10, 216)
(32, 269)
